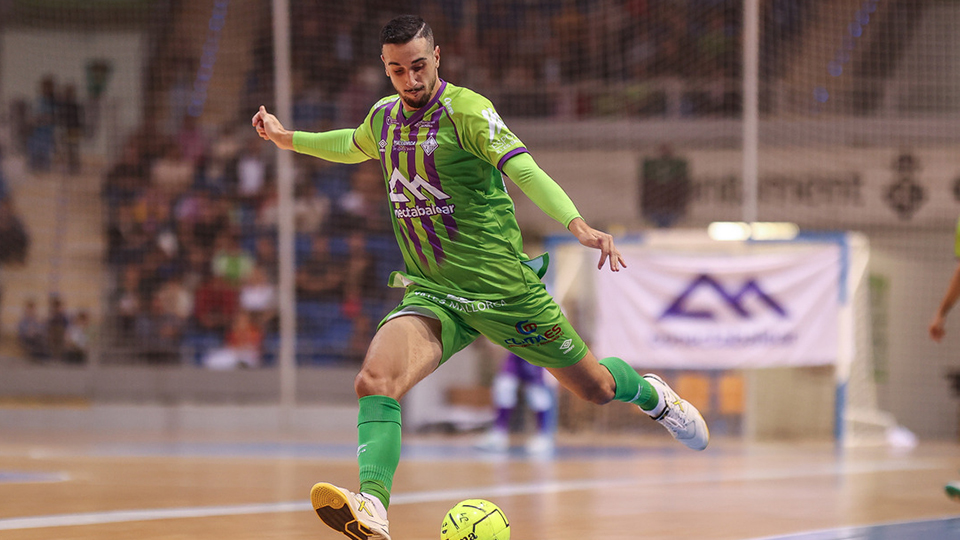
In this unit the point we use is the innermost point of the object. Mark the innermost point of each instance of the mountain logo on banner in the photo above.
(735, 301)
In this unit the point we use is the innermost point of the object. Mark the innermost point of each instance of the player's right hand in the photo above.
(269, 128)
(936, 329)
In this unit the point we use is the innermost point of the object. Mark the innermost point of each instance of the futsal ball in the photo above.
(475, 519)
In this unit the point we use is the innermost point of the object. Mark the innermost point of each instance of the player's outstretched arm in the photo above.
(936, 329)
(270, 129)
(593, 238)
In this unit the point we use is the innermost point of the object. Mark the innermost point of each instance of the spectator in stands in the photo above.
(230, 260)
(311, 208)
(191, 140)
(258, 297)
(211, 220)
(30, 331)
(70, 121)
(176, 298)
(363, 203)
(251, 172)
(125, 178)
(215, 304)
(56, 327)
(267, 257)
(321, 277)
(41, 143)
(172, 174)
(77, 340)
(127, 301)
(158, 333)
(360, 287)
(14, 240)
(245, 340)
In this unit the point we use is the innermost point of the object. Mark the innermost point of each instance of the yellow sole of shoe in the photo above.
(332, 508)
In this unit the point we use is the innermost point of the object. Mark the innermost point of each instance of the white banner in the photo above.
(760, 306)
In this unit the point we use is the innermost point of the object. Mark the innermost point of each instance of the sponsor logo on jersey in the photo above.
(448, 103)
(463, 305)
(566, 346)
(383, 146)
(404, 146)
(404, 191)
(495, 122)
(526, 327)
(534, 339)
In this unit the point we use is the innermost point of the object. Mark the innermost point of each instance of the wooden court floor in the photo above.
(179, 486)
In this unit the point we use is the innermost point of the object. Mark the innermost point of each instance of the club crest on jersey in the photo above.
(429, 145)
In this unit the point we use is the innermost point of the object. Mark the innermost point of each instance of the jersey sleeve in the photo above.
(342, 145)
(336, 146)
(483, 133)
(956, 241)
(541, 189)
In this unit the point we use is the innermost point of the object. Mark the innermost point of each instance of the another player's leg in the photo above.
(404, 351)
(539, 398)
(599, 381)
(503, 392)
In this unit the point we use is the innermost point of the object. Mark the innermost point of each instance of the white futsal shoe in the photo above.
(541, 444)
(681, 419)
(356, 515)
(495, 440)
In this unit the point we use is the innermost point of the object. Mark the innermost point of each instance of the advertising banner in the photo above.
(753, 308)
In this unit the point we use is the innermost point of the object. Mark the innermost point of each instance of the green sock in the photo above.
(378, 450)
(631, 387)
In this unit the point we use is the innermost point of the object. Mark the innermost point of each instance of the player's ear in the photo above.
(384, 60)
(436, 55)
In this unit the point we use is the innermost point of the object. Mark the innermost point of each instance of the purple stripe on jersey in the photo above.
(425, 221)
(510, 154)
(411, 233)
(431, 166)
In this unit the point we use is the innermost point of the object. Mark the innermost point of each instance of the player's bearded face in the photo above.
(412, 68)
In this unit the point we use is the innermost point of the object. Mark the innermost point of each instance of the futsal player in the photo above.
(516, 374)
(937, 330)
(445, 153)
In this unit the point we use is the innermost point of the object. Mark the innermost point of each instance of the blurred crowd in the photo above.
(545, 58)
(192, 225)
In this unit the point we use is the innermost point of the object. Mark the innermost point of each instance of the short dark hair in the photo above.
(404, 29)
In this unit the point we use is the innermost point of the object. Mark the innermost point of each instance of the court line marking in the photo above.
(122, 516)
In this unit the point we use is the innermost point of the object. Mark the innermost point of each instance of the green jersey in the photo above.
(452, 216)
(956, 241)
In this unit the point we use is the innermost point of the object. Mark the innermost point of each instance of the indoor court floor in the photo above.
(177, 486)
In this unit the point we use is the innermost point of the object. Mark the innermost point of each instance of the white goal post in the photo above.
(792, 315)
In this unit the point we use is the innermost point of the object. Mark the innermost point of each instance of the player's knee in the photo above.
(370, 383)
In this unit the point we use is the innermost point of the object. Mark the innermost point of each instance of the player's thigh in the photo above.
(455, 333)
(404, 350)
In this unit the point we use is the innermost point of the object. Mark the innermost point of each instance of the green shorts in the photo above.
(531, 325)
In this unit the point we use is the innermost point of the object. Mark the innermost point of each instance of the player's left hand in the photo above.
(592, 238)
